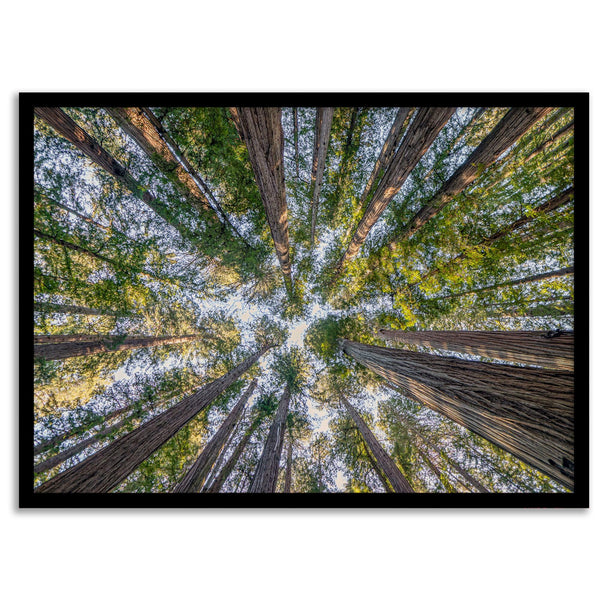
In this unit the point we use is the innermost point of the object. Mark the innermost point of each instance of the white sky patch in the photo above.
(297, 334)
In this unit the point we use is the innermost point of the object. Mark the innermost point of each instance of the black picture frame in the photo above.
(579, 498)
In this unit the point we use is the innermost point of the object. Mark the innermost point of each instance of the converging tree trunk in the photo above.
(74, 450)
(66, 127)
(512, 126)
(265, 477)
(554, 351)
(54, 349)
(261, 130)
(105, 469)
(544, 208)
(420, 135)
(526, 411)
(528, 279)
(391, 471)
(215, 486)
(196, 475)
(324, 119)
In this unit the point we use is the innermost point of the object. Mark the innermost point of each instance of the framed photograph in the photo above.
(304, 300)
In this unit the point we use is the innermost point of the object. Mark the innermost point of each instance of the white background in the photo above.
(277, 46)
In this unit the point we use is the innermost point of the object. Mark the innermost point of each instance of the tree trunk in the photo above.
(108, 467)
(74, 450)
(434, 469)
(529, 347)
(78, 430)
(287, 488)
(261, 130)
(420, 135)
(66, 127)
(560, 133)
(529, 279)
(265, 477)
(296, 149)
(377, 469)
(215, 486)
(544, 208)
(398, 482)
(57, 350)
(51, 307)
(323, 123)
(512, 126)
(526, 411)
(195, 477)
(387, 152)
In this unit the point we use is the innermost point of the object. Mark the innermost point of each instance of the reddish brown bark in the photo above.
(528, 347)
(54, 349)
(323, 123)
(196, 475)
(512, 126)
(267, 471)
(105, 469)
(526, 411)
(398, 482)
(261, 130)
(420, 135)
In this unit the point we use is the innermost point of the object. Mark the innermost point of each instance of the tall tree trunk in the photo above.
(261, 130)
(512, 126)
(70, 309)
(398, 482)
(387, 152)
(528, 279)
(434, 469)
(215, 486)
(108, 467)
(50, 350)
(529, 347)
(296, 149)
(78, 430)
(74, 450)
(377, 469)
(287, 488)
(559, 134)
(323, 123)
(265, 477)
(420, 135)
(196, 475)
(526, 411)
(545, 208)
(66, 127)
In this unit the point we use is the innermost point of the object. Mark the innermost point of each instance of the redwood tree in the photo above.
(527, 411)
(104, 470)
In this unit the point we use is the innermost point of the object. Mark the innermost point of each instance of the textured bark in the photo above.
(287, 488)
(51, 350)
(108, 467)
(377, 469)
(215, 486)
(526, 411)
(528, 347)
(74, 450)
(391, 471)
(66, 127)
(529, 279)
(420, 135)
(261, 130)
(387, 152)
(196, 475)
(544, 208)
(137, 125)
(512, 126)
(323, 123)
(70, 309)
(265, 477)
(61, 437)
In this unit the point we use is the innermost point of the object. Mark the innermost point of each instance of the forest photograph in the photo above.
(303, 305)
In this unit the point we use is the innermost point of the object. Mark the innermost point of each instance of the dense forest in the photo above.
(303, 299)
